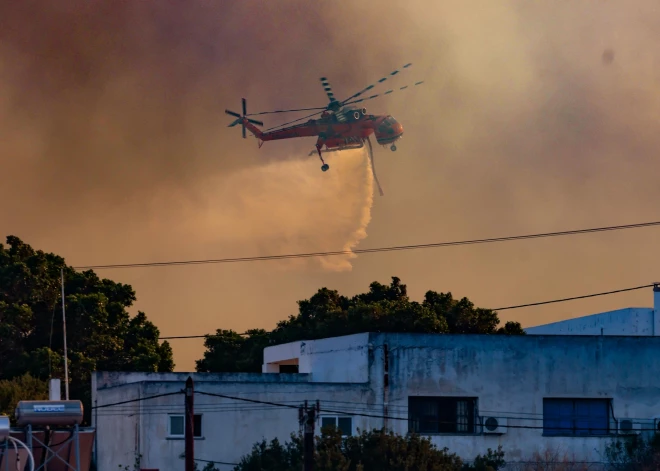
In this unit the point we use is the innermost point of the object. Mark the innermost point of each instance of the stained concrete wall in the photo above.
(229, 427)
(510, 376)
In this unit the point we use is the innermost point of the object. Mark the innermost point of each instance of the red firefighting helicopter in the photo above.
(342, 125)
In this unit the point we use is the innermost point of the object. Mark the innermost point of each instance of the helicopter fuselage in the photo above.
(337, 130)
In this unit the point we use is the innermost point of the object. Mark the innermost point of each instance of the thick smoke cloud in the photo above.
(533, 117)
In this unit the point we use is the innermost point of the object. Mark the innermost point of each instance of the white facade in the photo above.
(460, 379)
(643, 321)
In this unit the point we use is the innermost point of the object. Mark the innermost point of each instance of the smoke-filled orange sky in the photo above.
(114, 148)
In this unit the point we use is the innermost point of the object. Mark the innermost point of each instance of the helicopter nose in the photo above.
(397, 128)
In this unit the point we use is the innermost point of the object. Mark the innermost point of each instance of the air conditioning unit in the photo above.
(629, 427)
(494, 425)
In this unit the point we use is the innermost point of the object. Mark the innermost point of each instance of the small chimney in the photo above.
(54, 390)
(656, 309)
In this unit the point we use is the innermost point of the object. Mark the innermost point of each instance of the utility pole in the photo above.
(66, 362)
(190, 426)
(307, 418)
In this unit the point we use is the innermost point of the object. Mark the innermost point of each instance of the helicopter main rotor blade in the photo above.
(328, 89)
(233, 113)
(380, 94)
(294, 121)
(254, 121)
(392, 74)
(286, 111)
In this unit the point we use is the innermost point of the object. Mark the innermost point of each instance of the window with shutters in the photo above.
(452, 415)
(576, 417)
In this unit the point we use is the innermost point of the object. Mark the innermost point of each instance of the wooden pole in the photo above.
(308, 439)
(190, 426)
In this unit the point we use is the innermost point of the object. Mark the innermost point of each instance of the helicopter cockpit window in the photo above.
(386, 125)
(389, 121)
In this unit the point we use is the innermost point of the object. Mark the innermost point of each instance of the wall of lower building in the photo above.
(511, 375)
(508, 375)
(229, 427)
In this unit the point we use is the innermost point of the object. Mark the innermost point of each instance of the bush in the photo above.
(377, 450)
(634, 453)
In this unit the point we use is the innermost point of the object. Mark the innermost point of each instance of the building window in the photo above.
(441, 414)
(288, 368)
(345, 424)
(176, 426)
(578, 417)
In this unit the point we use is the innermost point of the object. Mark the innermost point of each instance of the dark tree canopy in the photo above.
(101, 335)
(384, 308)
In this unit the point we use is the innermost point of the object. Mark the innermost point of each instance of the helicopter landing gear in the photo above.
(392, 147)
(319, 144)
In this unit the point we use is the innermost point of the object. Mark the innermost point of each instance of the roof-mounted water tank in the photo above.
(49, 413)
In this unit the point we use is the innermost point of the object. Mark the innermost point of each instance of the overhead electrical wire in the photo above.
(130, 401)
(560, 300)
(372, 250)
(593, 295)
(334, 411)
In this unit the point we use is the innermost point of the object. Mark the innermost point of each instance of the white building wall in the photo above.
(509, 376)
(337, 359)
(630, 321)
(229, 427)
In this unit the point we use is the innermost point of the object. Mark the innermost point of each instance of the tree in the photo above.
(634, 453)
(229, 352)
(20, 388)
(101, 335)
(376, 450)
(384, 308)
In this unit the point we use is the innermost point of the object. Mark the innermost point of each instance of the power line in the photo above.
(216, 462)
(330, 411)
(576, 297)
(255, 401)
(380, 416)
(129, 401)
(561, 300)
(373, 250)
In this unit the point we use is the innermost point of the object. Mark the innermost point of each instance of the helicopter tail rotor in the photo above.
(243, 118)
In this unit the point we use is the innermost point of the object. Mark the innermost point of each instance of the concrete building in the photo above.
(468, 392)
(643, 321)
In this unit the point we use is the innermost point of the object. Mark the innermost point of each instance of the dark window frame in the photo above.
(337, 418)
(443, 415)
(577, 417)
(197, 426)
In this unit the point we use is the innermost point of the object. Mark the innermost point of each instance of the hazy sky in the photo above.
(115, 148)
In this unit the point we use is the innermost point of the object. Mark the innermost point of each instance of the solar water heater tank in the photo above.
(63, 413)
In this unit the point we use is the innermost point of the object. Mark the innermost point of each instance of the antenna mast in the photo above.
(66, 363)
